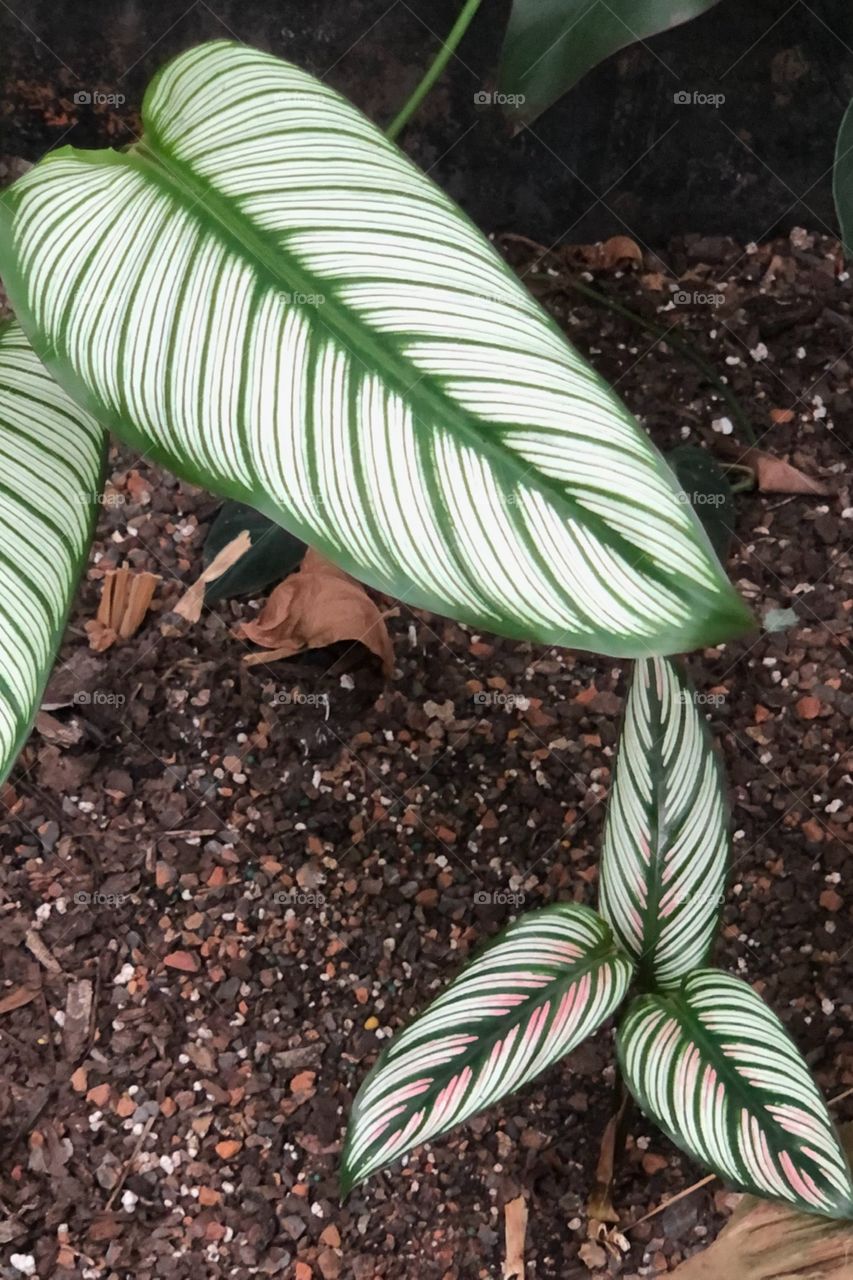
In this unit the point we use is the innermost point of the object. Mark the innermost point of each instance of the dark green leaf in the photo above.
(709, 493)
(843, 180)
(273, 555)
(551, 44)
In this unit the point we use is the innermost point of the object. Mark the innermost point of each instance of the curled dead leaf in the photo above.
(317, 606)
(618, 251)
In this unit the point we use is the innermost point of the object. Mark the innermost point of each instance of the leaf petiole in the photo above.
(448, 49)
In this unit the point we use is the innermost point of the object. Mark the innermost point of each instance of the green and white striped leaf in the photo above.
(531, 996)
(666, 844)
(273, 301)
(715, 1068)
(51, 470)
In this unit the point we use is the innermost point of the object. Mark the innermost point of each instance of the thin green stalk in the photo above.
(446, 53)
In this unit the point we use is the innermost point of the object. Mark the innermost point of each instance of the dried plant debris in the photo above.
(125, 599)
(317, 606)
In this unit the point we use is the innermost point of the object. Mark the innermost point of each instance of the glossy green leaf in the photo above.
(551, 44)
(666, 844)
(273, 554)
(843, 180)
(715, 1068)
(269, 298)
(51, 474)
(536, 991)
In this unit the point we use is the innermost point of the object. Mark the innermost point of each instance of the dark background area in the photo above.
(616, 154)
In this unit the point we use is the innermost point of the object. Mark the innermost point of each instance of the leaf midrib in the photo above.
(693, 1027)
(605, 952)
(154, 157)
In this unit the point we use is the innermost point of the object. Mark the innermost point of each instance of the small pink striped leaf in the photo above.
(529, 998)
(715, 1068)
(666, 843)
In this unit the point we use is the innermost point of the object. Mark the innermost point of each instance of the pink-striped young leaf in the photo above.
(530, 997)
(715, 1068)
(666, 844)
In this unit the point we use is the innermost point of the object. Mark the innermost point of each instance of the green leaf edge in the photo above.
(59, 635)
(523, 114)
(843, 173)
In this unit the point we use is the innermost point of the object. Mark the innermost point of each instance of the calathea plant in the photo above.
(266, 296)
(700, 1051)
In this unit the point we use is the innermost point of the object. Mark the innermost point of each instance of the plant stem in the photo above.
(447, 51)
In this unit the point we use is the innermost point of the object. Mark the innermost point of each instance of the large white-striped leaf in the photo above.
(666, 844)
(51, 468)
(270, 298)
(534, 992)
(715, 1068)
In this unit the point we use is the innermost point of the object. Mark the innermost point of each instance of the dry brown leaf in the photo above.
(317, 606)
(777, 476)
(78, 1012)
(765, 1241)
(41, 953)
(615, 252)
(18, 998)
(600, 1208)
(190, 604)
(125, 599)
(774, 475)
(515, 1231)
(618, 250)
